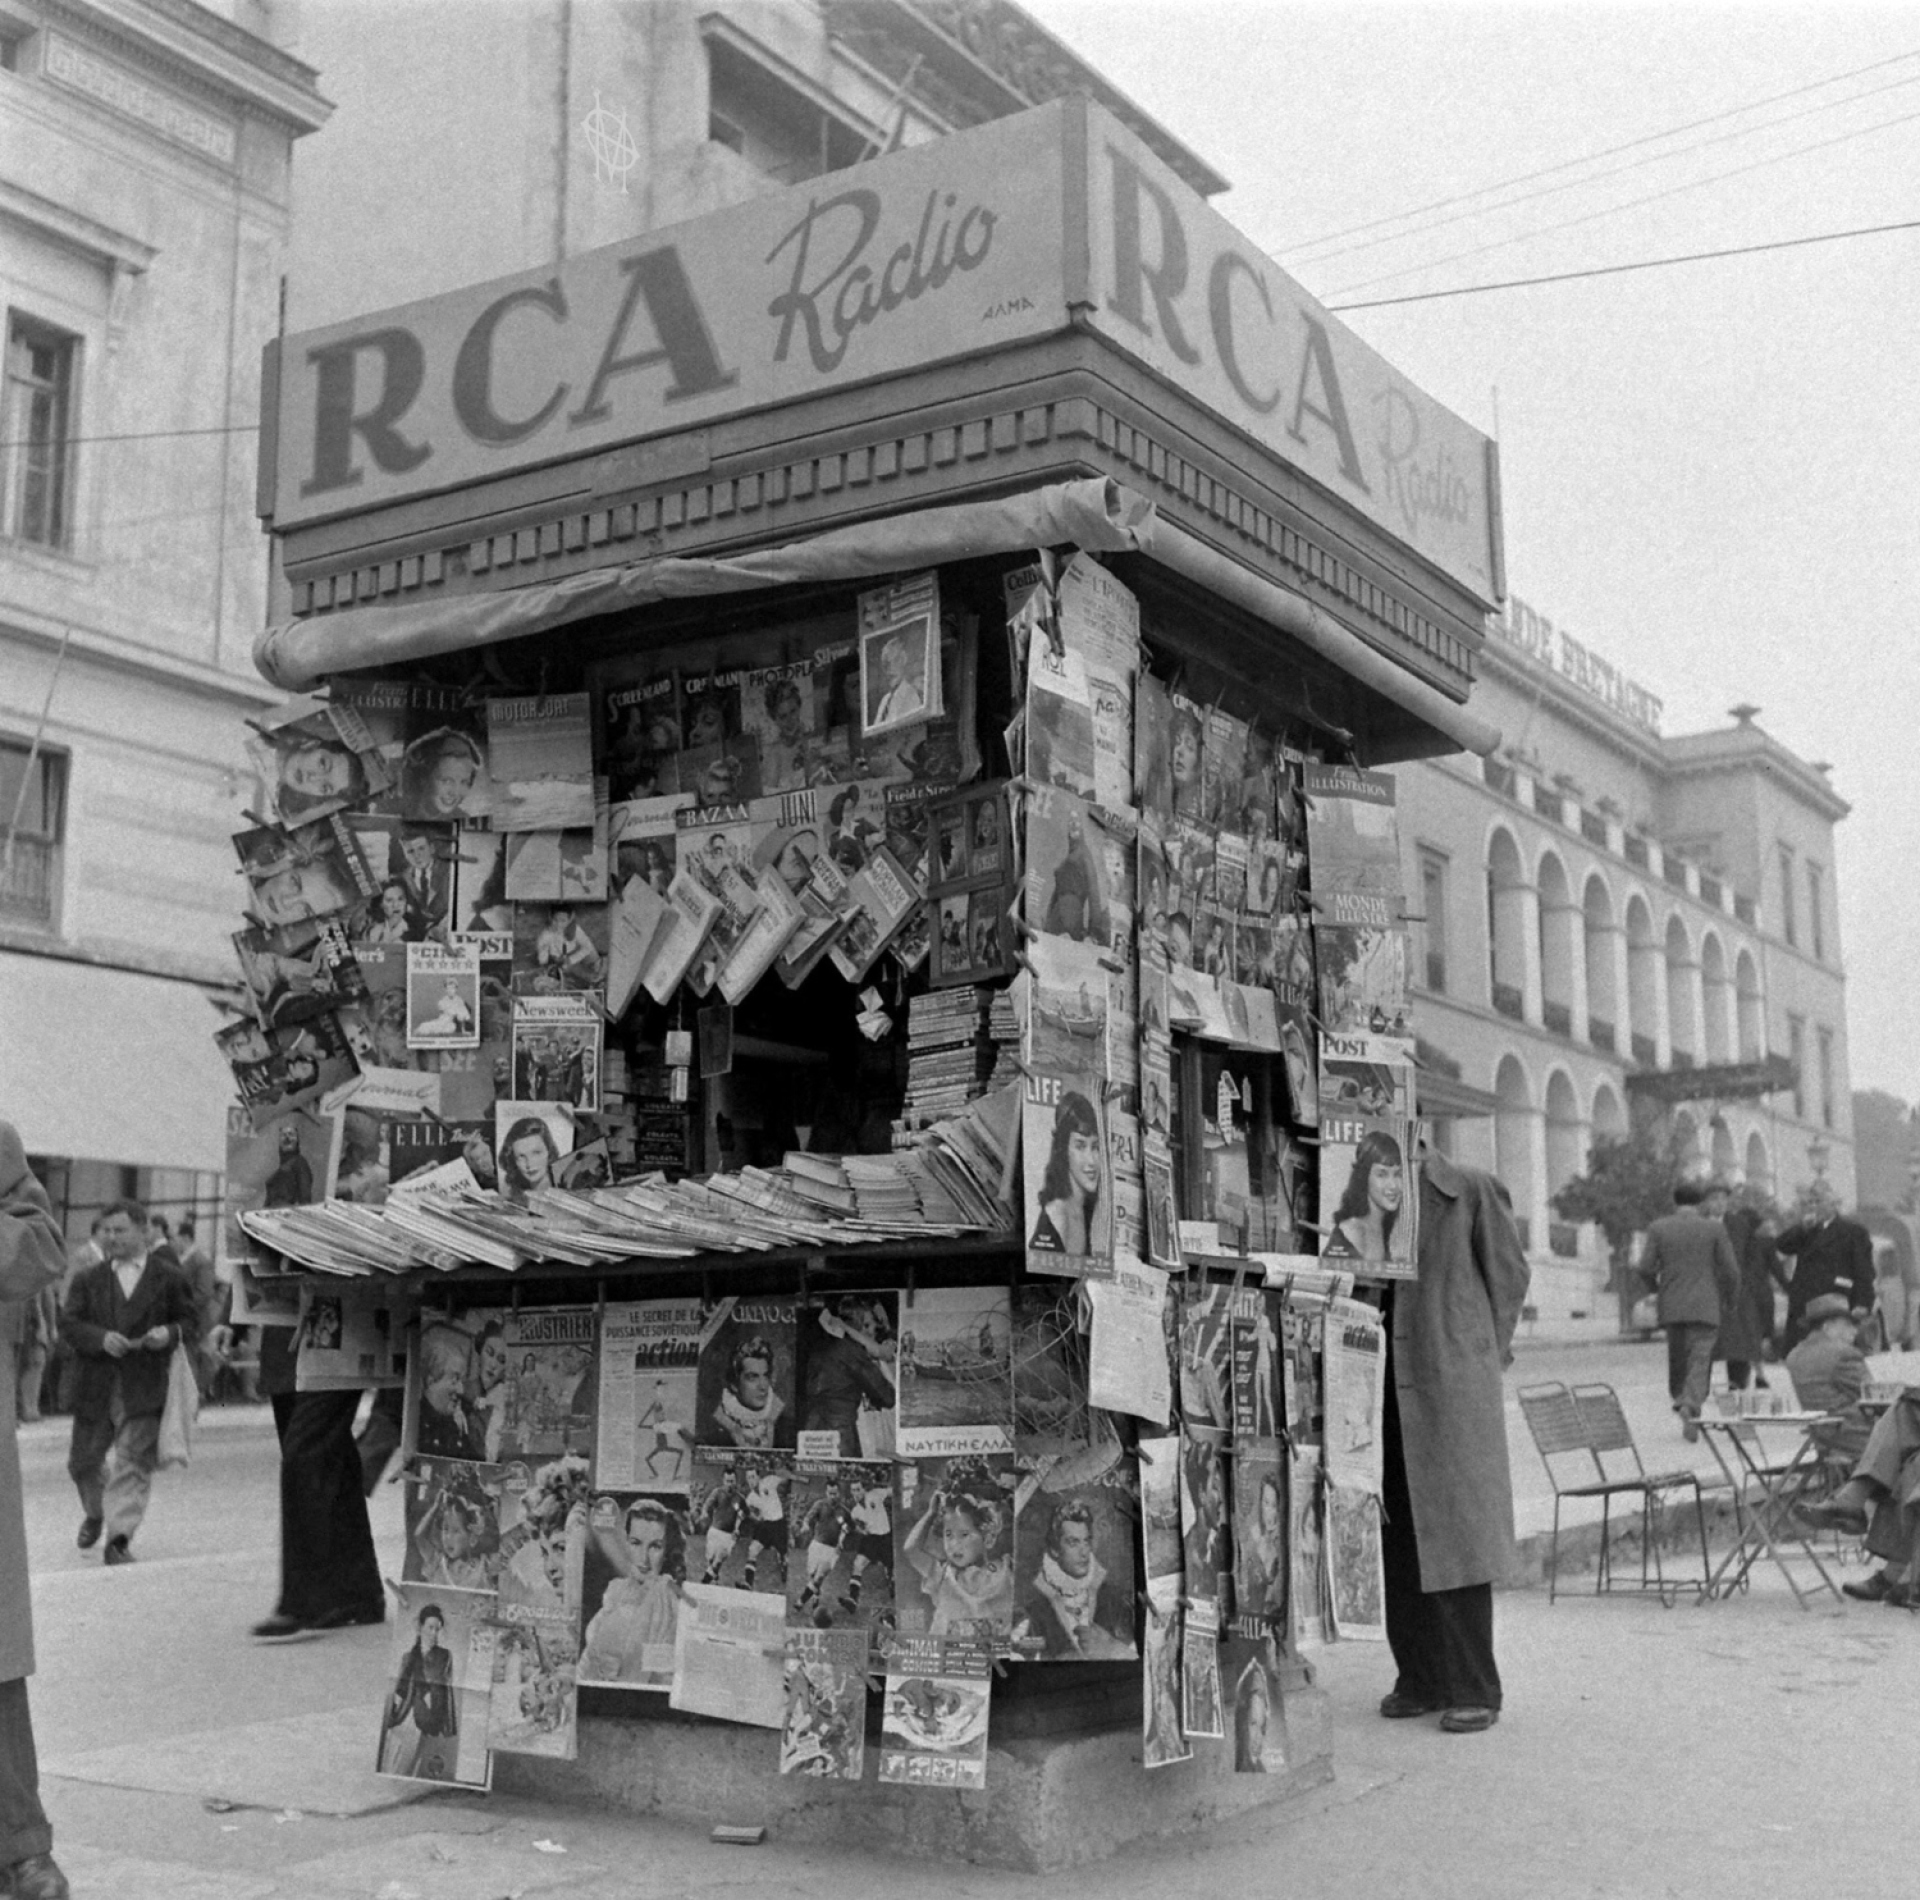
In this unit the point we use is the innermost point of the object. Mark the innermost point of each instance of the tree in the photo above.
(1628, 1185)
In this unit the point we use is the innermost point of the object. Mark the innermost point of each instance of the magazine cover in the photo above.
(1069, 890)
(1355, 1357)
(560, 947)
(419, 1147)
(643, 738)
(738, 1514)
(286, 1068)
(453, 1510)
(840, 1575)
(881, 898)
(953, 1530)
(1261, 1555)
(550, 1397)
(1250, 1677)
(298, 972)
(1160, 1533)
(350, 1339)
(635, 1574)
(1353, 844)
(1356, 1587)
(1206, 1357)
(1304, 1521)
(649, 1394)
(556, 1044)
(1065, 1176)
(535, 1703)
(1369, 1195)
(280, 1161)
(1366, 1075)
(933, 1731)
(1060, 749)
(785, 709)
(1074, 1573)
(1362, 970)
(824, 1731)
(1203, 1516)
(480, 901)
(746, 1377)
(1258, 1396)
(719, 756)
(314, 758)
(443, 997)
(1153, 748)
(1163, 1741)
(415, 865)
(900, 682)
(956, 1371)
(531, 1139)
(1201, 1714)
(433, 1722)
(849, 1372)
(540, 755)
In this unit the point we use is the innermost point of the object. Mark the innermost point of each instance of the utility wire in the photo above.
(1610, 151)
(1607, 211)
(133, 435)
(1645, 263)
(1632, 164)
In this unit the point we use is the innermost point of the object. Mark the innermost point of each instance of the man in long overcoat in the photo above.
(1831, 1254)
(1447, 1492)
(32, 1257)
(1690, 1261)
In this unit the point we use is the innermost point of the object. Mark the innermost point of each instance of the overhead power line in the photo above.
(1610, 151)
(1645, 263)
(1629, 204)
(134, 435)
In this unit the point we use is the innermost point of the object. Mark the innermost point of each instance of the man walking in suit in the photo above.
(1690, 1261)
(1831, 1254)
(122, 1321)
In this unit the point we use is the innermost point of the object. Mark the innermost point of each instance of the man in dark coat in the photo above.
(1747, 1332)
(1831, 1254)
(123, 1319)
(1447, 1492)
(32, 1258)
(1690, 1261)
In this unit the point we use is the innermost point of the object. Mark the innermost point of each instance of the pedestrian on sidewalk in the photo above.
(1831, 1254)
(32, 1259)
(1446, 1491)
(1690, 1261)
(329, 1574)
(122, 1321)
(1747, 1328)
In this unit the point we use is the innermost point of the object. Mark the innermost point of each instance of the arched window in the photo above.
(1682, 1031)
(1723, 1150)
(1513, 1138)
(1566, 1133)
(1716, 991)
(1509, 922)
(1562, 946)
(1609, 1118)
(1752, 1008)
(1759, 1167)
(1605, 1029)
(1646, 980)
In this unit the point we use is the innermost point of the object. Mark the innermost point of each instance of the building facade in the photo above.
(1604, 912)
(144, 173)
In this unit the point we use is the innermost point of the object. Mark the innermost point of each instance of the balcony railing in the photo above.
(1636, 849)
(1558, 1017)
(1509, 1001)
(27, 880)
(1500, 778)
(1549, 805)
(1437, 972)
(1600, 1034)
(1645, 1051)
(1710, 888)
(1593, 827)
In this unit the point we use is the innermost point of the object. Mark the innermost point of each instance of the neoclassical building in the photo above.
(1602, 910)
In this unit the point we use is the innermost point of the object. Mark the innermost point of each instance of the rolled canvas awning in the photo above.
(1097, 514)
(98, 1064)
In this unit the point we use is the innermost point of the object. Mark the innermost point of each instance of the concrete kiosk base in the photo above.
(1049, 1802)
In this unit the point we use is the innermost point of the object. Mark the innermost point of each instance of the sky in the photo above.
(1710, 473)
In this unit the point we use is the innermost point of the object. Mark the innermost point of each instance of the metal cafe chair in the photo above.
(1582, 1432)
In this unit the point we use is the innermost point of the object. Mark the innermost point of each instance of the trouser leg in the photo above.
(1410, 1632)
(1461, 1622)
(87, 1459)
(1739, 1371)
(327, 1559)
(1698, 1378)
(380, 1437)
(130, 1466)
(24, 1830)
(1676, 1362)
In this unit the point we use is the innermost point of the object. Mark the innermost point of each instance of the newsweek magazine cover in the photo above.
(649, 1394)
(1162, 1739)
(433, 1721)
(744, 1394)
(540, 756)
(1353, 843)
(933, 1731)
(535, 1702)
(824, 1730)
(556, 1050)
(635, 1576)
(953, 1532)
(840, 1573)
(739, 1519)
(443, 997)
(1369, 1195)
(1074, 1571)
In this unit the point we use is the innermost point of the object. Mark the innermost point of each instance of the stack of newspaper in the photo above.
(943, 1060)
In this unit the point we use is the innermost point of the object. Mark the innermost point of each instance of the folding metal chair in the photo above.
(1586, 1428)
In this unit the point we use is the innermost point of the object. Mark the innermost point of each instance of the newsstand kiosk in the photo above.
(874, 952)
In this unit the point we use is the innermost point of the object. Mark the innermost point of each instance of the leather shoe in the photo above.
(1874, 1589)
(1397, 1707)
(1834, 1514)
(278, 1628)
(38, 1877)
(355, 1617)
(90, 1528)
(117, 1552)
(1469, 1721)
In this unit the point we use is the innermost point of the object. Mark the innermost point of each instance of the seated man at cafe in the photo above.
(1882, 1502)
(1829, 1372)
